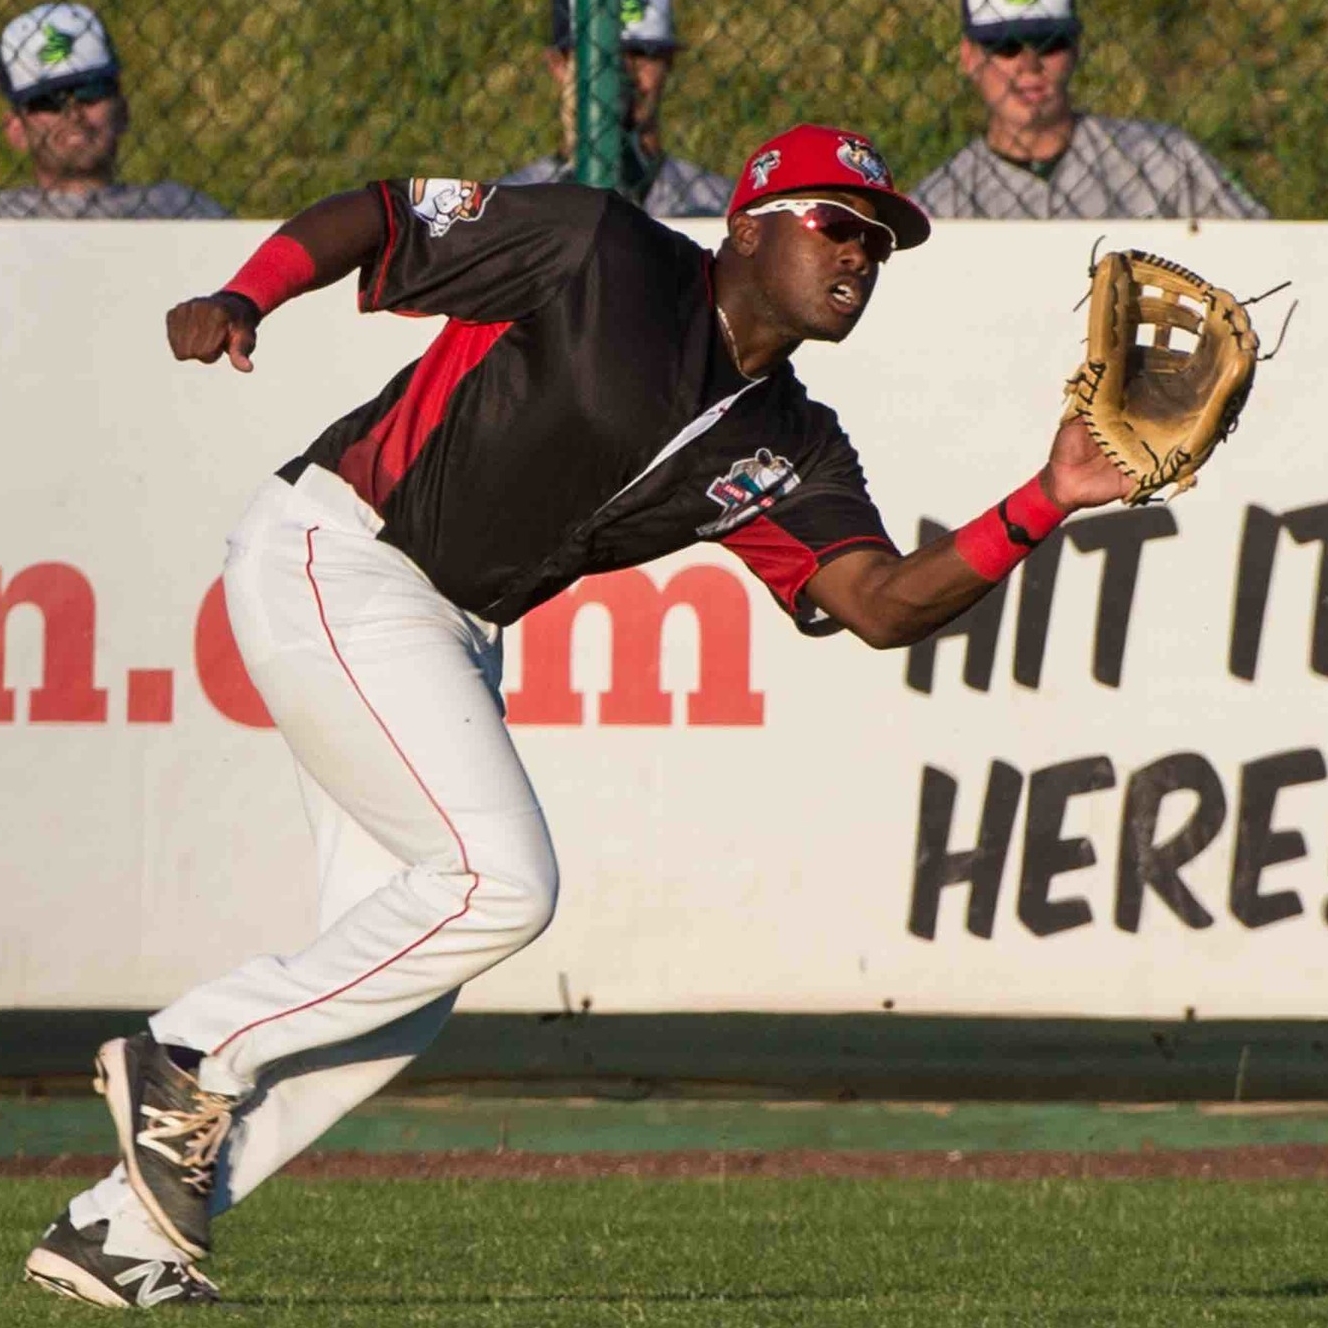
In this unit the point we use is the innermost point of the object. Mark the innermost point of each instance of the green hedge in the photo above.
(268, 106)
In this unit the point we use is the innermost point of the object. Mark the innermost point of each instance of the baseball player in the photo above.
(599, 380)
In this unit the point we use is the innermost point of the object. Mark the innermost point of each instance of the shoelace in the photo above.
(202, 1283)
(202, 1133)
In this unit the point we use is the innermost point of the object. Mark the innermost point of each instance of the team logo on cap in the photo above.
(751, 486)
(859, 155)
(442, 203)
(57, 45)
(762, 166)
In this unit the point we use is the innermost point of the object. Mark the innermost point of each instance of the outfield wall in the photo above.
(1106, 795)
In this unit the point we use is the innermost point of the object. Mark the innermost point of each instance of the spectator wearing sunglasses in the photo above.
(1039, 157)
(67, 114)
(666, 186)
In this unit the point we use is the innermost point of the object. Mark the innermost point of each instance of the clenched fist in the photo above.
(212, 325)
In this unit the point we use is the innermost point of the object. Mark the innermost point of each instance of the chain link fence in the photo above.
(266, 105)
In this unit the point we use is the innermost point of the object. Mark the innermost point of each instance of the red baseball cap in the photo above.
(818, 157)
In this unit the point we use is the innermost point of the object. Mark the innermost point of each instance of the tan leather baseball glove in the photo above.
(1158, 410)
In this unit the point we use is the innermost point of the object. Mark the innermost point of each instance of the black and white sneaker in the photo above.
(170, 1133)
(74, 1263)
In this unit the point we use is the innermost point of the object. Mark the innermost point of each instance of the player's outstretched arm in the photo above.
(316, 247)
(891, 601)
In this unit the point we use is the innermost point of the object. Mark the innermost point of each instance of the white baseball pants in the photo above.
(434, 858)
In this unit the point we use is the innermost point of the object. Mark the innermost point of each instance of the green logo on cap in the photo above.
(633, 11)
(59, 45)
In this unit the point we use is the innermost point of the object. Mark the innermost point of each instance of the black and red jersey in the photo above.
(579, 412)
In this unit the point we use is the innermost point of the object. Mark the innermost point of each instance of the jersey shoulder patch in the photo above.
(443, 203)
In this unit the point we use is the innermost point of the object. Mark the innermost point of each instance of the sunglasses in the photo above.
(838, 222)
(84, 94)
(1012, 47)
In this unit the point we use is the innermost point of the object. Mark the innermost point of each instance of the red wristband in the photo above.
(278, 269)
(1002, 537)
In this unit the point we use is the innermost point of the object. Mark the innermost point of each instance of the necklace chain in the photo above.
(731, 341)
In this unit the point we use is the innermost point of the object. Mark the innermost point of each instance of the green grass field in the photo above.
(744, 1253)
(51, 1127)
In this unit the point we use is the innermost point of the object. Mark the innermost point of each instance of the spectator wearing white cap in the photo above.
(1039, 157)
(61, 75)
(665, 186)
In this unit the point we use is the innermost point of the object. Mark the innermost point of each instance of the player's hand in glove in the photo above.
(212, 326)
(1078, 473)
(1158, 408)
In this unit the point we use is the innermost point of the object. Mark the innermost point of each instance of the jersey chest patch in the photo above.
(751, 486)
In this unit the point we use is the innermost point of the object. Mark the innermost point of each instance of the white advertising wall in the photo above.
(1105, 795)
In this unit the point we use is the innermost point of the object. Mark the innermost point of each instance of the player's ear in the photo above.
(744, 234)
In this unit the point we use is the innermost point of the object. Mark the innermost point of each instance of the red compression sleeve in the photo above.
(1002, 537)
(279, 269)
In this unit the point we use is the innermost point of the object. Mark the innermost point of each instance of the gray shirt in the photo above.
(1112, 168)
(167, 200)
(680, 189)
